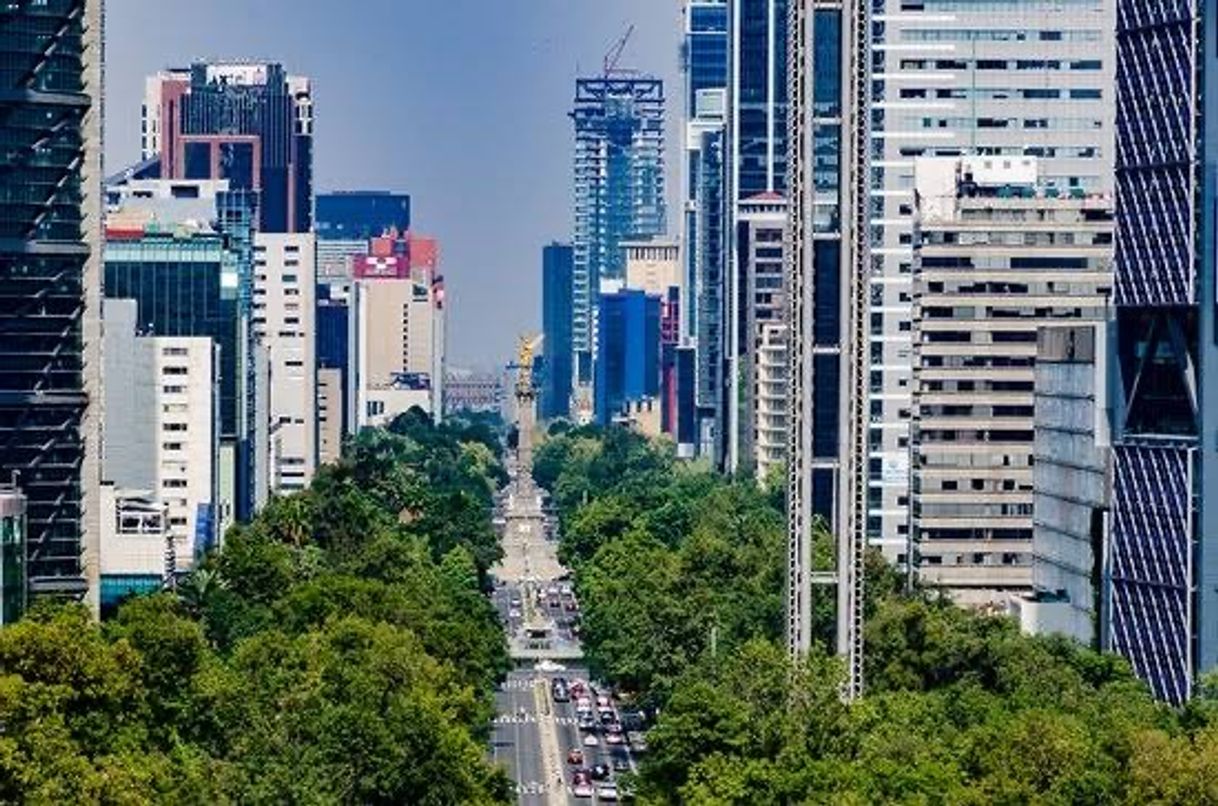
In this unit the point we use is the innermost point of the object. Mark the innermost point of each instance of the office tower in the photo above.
(248, 122)
(998, 253)
(1070, 484)
(704, 63)
(761, 305)
(756, 164)
(161, 398)
(628, 350)
(357, 215)
(333, 349)
(1164, 533)
(1006, 79)
(283, 321)
(329, 415)
(655, 267)
(708, 243)
(183, 250)
(473, 392)
(13, 582)
(50, 284)
(398, 349)
(619, 190)
(557, 265)
(828, 257)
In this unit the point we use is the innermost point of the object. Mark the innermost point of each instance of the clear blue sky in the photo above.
(461, 103)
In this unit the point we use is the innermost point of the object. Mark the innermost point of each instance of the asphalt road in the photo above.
(532, 733)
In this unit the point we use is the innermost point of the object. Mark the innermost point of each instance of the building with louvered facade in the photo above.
(50, 282)
(1163, 539)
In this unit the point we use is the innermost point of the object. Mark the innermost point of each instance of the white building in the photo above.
(283, 321)
(160, 429)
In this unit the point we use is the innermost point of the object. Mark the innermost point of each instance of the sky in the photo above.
(460, 103)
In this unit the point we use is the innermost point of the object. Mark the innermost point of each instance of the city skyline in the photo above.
(490, 244)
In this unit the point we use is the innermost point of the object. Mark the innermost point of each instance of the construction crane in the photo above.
(614, 54)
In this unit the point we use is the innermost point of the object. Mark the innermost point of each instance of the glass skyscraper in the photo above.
(1163, 540)
(50, 283)
(619, 190)
(361, 214)
(557, 265)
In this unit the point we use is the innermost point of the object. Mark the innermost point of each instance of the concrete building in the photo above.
(160, 435)
(1164, 533)
(762, 310)
(329, 415)
(557, 377)
(399, 337)
(50, 285)
(1071, 482)
(1018, 78)
(476, 392)
(248, 122)
(137, 555)
(173, 240)
(769, 396)
(653, 266)
(997, 255)
(619, 191)
(283, 321)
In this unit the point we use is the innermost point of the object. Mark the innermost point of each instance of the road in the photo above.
(533, 734)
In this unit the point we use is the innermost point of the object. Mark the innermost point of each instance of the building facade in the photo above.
(284, 322)
(557, 267)
(160, 432)
(619, 191)
(13, 582)
(628, 352)
(997, 254)
(50, 285)
(1163, 544)
(248, 122)
(1071, 482)
(1018, 78)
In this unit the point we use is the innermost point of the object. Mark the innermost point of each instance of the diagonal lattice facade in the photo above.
(48, 280)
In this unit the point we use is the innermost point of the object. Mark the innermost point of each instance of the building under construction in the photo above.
(50, 281)
(619, 188)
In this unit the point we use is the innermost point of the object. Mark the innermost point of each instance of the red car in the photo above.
(575, 756)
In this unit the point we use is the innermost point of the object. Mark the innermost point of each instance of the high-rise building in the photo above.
(13, 583)
(756, 165)
(619, 190)
(998, 253)
(50, 284)
(1019, 78)
(160, 431)
(1070, 485)
(398, 331)
(1164, 532)
(628, 350)
(708, 243)
(183, 250)
(283, 321)
(557, 265)
(248, 122)
(357, 215)
(705, 69)
(761, 307)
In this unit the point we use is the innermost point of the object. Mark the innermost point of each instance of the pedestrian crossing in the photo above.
(529, 717)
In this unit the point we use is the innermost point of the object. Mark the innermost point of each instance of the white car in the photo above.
(582, 790)
(614, 738)
(591, 741)
(608, 792)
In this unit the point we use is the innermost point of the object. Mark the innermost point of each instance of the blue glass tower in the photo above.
(1163, 573)
(361, 214)
(628, 351)
(557, 265)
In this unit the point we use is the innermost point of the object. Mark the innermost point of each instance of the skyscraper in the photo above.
(1163, 540)
(248, 122)
(619, 189)
(1018, 78)
(628, 351)
(50, 284)
(557, 264)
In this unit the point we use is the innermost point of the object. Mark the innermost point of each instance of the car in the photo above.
(515, 601)
(602, 701)
(587, 723)
(600, 772)
(581, 784)
(607, 792)
(571, 606)
(614, 738)
(575, 756)
(621, 764)
(637, 741)
(561, 694)
(554, 603)
(514, 613)
(591, 741)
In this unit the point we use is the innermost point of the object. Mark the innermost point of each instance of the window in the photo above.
(174, 370)
(173, 484)
(171, 446)
(173, 390)
(178, 427)
(174, 351)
